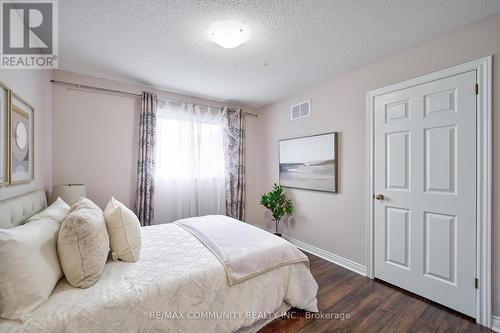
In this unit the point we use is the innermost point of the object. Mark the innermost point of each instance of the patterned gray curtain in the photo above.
(146, 159)
(234, 159)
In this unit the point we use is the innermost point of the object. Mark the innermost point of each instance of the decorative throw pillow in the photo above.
(29, 268)
(83, 244)
(57, 212)
(124, 231)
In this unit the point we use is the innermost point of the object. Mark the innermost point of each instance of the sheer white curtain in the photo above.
(189, 162)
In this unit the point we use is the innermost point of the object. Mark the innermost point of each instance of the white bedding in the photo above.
(244, 250)
(176, 279)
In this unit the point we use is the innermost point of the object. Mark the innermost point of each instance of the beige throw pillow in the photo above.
(29, 268)
(124, 231)
(83, 244)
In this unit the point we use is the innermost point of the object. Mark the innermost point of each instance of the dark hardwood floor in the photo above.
(371, 305)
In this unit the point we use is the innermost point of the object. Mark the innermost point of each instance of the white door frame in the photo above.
(483, 177)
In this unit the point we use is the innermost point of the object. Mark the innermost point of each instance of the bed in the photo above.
(178, 285)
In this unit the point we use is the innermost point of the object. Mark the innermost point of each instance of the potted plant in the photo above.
(278, 203)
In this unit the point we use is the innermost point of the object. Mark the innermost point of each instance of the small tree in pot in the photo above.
(277, 202)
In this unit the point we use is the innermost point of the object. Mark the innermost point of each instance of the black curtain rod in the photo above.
(83, 86)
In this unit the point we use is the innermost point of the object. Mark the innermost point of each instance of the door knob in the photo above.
(379, 197)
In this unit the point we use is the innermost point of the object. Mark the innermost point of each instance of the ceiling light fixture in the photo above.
(228, 33)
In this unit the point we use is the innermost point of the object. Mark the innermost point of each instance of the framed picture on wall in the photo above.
(4, 134)
(309, 162)
(22, 120)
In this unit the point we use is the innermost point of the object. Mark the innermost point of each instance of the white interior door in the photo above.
(425, 183)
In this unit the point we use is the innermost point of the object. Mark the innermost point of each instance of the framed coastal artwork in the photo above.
(22, 164)
(4, 134)
(309, 162)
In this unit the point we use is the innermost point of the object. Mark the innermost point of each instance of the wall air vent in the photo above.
(300, 110)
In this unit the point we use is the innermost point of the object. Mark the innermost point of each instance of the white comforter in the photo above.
(244, 250)
(178, 285)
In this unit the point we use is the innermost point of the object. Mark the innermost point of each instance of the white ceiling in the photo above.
(293, 44)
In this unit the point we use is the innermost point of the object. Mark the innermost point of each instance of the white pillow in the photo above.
(29, 268)
(124, 231)
(83, 244)
(57, 212)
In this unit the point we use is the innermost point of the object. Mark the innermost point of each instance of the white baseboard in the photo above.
(495, 323)
(336, 259)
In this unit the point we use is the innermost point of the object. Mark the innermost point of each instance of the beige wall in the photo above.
(336, 222)
(34, 86)
(94, 136)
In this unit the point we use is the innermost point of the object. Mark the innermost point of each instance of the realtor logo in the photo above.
(29, 34)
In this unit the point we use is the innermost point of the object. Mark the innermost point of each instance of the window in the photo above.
(189, 162)
(188, 150)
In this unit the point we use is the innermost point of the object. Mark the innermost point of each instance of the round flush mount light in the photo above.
(228, 33)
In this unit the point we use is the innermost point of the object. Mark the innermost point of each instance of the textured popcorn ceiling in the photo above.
(293, 44)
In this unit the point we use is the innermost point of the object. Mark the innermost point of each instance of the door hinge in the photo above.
(477, 89)
(476, 283)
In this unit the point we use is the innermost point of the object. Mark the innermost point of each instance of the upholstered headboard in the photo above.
(17, 210)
